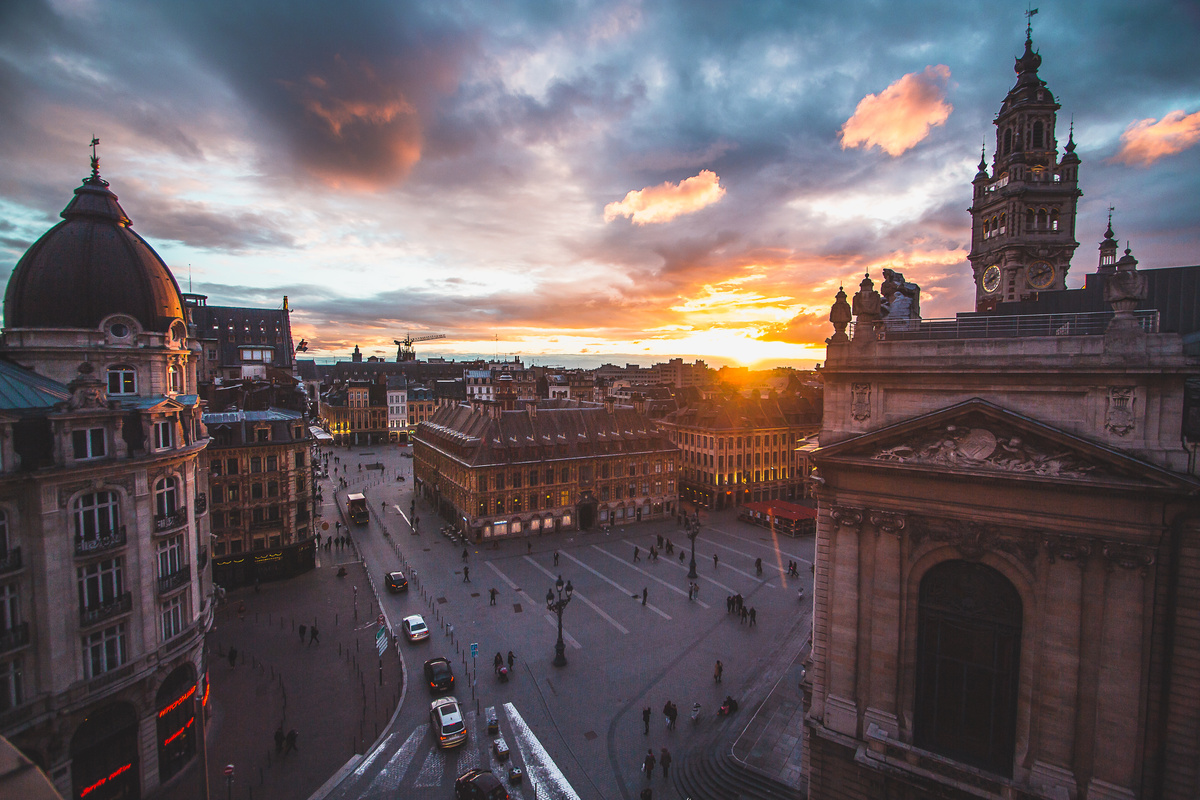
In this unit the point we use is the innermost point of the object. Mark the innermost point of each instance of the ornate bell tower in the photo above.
(1023, 214)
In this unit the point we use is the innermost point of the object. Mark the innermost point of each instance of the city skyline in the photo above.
(596, 181)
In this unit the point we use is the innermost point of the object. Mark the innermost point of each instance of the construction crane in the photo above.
(404, 347)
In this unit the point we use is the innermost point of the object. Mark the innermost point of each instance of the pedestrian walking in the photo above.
(728, 604)
(697, 585)
(528, 548)
(511, 660)
(664, 760)
(753, 621)
(303, 630)
(279, 740)
(556, 558)
(313, 636)
(672, 714)
(497, 662)
(492, 592)
(670, 547)
(232, 657)
(291, 742)
(717, 671)
(637, 553)
(745, 614)
(659, 540)
(466, 574)
(682, 553)
(758, 565)
(648, 764)
(645, 592)
(714, 560)
(646, 719)
(465, 554)
(667, 714)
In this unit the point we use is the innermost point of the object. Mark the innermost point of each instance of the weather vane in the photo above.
(1029, 12)
(95, 158)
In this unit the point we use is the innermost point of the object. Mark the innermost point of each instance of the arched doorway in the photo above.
(104, 755)
(585, 509)
(968, 665)
(176, 707)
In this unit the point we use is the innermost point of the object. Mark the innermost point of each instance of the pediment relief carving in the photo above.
(988, 448)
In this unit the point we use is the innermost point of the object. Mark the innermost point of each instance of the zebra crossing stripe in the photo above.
(545, 778)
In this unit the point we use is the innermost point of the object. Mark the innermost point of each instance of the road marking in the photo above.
(374, 754)
(468, 754)
(667, 584)
(533, 604)
(586, 602)
(615, 585)
(544, 774)
(772, 548)
(735, 569)
(432, 770)
(392, 774)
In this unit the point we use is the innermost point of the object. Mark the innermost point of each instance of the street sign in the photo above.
(381, 640)
(474, 649)
(229, 769)
(380, 619)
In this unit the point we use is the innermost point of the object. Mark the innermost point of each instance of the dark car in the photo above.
(439, 674)
(396, 582)
(479, 784)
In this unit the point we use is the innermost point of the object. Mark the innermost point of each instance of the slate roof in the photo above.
(742, 412)
(554, 429)
(24, 389)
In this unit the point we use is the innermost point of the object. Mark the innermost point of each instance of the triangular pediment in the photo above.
(982, 439)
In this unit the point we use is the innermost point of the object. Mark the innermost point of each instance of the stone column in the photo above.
(884, 657)
(1118, 689)
(841, 709)
(1056, 695)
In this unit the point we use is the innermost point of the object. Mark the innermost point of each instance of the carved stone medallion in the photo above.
(1118, 416)
(860, 401)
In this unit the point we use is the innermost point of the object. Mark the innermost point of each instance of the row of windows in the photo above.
(262, 514)
(502, 480)
(536, 500)
(258, 490)
(123, 380)
(689, 439)
(729, 479)
(232, 466)
(92, 443)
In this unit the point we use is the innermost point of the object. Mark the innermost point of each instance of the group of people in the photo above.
(793, 570)
(663, 760)
(736, 605)
(498, 661)
(693, 591)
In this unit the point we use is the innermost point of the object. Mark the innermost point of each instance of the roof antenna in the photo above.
(189, 278)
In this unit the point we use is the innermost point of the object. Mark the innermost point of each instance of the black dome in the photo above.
(89, 266)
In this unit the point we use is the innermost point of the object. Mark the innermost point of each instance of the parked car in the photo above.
(440, 675)
(447, 723)
(415, 628)
(479, 784)
(396, 582)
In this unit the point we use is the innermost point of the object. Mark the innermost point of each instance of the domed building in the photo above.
(105, 594)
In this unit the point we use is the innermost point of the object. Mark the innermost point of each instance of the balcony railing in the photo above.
(93, 614)
(1005, 326)
(11, 562)
(104, 541)
(166, 522)
(14, 637)
(176, 579)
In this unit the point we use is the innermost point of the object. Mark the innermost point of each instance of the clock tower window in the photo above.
(1037, 135)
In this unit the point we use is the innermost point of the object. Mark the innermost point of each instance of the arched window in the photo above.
(1054, 220)
(1029, 219)
(1038, 134)
(1041, 219)
(166, 496)
(175, 378)
(122, 380)
(1007, 140)
(1003, 223)
(987, 229)
(968, 664)
(97, 515)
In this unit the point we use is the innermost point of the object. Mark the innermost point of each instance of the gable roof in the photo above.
(980, 439)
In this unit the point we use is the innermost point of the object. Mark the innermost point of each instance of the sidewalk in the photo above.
(328, 691)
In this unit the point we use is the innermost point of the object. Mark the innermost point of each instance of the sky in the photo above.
(575, 181)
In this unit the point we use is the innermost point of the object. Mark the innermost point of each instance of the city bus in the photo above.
(356, 507)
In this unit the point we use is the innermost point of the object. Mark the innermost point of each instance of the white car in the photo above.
(447, 722)
(415, 628)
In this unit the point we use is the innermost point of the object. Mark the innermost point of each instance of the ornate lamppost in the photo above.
(693, 530)
(557, 606)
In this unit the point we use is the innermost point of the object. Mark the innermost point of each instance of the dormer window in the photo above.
(175, 379)
(122, 380)
(89, 444)
(164, 435)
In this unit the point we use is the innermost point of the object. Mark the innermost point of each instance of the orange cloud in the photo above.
(901, 115)
(667, 201)
(1148, 140)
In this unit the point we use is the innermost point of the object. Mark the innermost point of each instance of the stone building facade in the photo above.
(553, 465)
(105, 594)
(740, 450)
(1007, 597)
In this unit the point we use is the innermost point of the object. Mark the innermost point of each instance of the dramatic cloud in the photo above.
(667, 201)
(1148, 140)
(900, 116)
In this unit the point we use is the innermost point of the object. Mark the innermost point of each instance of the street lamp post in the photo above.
(692, 532)
(557, 606)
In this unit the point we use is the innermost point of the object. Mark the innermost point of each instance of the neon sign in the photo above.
(89, 789)
(179, 732)
(177, 703)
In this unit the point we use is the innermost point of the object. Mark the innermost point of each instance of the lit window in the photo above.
(122, 380)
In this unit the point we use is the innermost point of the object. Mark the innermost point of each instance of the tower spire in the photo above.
(95, 160)
(1029, 12)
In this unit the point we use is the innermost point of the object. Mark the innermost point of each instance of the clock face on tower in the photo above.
(991, 279)
(1040, 274)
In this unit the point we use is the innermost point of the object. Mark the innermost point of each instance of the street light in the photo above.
(692, 532)
(557, 606)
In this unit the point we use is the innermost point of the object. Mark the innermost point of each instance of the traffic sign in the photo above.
(381, 640)
(229, 769)
(380, 619)
(474, 649)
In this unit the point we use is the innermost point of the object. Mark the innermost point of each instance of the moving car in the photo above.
(396, 582)
(479, 784)
(446, 722)
(440, 675)
(415, 628)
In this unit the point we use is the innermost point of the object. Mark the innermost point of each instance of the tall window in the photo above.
(172, 617)
(175, 379)
(10, 607)
(96, 515)
(164, 434)
(88, 443)
(101, 583)
(170, 556)
(104, 650)
(5, 541)
(166, 496)
(968, 665)
(10, 685)
(122, 380)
